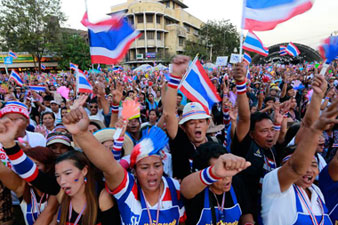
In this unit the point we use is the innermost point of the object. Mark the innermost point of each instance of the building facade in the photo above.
(165, 26)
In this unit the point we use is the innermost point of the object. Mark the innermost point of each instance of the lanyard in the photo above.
(35, 204)
(270, 165)
(158, 208)
(302, 197)
(71, 211)
(220, 208)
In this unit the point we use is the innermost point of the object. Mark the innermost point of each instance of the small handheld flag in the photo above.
(16, 77)
(282, 50)
(73, 66)
(197, 86)
(12, 54)
(292, 50)
(329, 51)
(247, 58)
(37, 88)
(82, 84)
(253, 44)
(43, 67)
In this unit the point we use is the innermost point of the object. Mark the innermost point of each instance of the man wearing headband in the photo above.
(288, 193)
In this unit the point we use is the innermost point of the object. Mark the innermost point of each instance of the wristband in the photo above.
(115, 109)
(174, 81)
(241, 87)
(277, 127)
(118, 143)
(207, 177)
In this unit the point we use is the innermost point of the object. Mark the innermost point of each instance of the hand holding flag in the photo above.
(329, 51)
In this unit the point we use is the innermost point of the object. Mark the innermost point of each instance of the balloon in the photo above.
(63, 91)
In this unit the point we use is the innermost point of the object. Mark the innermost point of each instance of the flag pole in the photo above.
(241, 34)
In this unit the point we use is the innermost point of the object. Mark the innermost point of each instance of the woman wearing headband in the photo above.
(145, 197)
(75, 185)
(288, 194)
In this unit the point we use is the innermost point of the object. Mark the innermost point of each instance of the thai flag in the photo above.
(247, 58)
(197, 86)
(329, 49)
(12, 54)
(253, 44)
(82, 83)
(109, 39)
(43, 67)
(37, 88)
(73, 66)
(292, 50)
(262, 15)
(16, 77)
(282, 50)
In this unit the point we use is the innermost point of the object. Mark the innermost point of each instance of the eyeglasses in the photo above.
(93, 106)
(321, 145)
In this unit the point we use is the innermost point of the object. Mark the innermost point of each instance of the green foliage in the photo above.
(30, 25)
(219, 36)
(74, 48)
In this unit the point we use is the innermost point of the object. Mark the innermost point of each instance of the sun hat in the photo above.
(58, 137)
(193, 111)
(107, 134)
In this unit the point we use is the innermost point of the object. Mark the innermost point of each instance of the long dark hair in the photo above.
(47, 158)
(80, 161)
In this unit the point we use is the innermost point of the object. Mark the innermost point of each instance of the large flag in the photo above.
(12, 54)
(262, 15)
(197, 86)
(282, 50)
(292, 50)
(109, 40)
(73, 66)
(247, 58)
(16, 77)
(82, 83)
(253, 44)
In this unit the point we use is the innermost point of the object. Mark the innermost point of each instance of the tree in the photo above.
(74, 48)
(216, 37)
(31, 25)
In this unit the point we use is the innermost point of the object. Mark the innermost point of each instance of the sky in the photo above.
(309, 28)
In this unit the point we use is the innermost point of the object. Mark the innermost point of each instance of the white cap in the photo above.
(54, 102)
(193, 111)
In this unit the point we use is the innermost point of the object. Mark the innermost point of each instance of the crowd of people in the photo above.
(266, 154)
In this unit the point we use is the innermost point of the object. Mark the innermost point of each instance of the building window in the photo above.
(149, 18)
(159, 36)
(167, 22)
(158, 19)
(150, 35)
(180, 41)
(167, 4)
(142, 36)
(187, 27)
(139, 18)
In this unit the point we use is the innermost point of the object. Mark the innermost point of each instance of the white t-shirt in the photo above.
(279, 208)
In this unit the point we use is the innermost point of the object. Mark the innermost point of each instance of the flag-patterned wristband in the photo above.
(115, 108)
(174, 81)
(207, 177)
(277, 127)
(241, 87)
(118, 143)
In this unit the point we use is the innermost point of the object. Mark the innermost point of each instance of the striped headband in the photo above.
(14, 107)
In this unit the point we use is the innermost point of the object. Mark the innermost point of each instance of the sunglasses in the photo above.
(93, 106)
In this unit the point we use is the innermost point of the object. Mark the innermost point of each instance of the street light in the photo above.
(210, 52)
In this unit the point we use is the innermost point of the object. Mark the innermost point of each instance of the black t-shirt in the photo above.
(194, 206)
(262, 162)
(183, 152)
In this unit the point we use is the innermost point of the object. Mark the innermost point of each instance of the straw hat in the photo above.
(107, 134)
